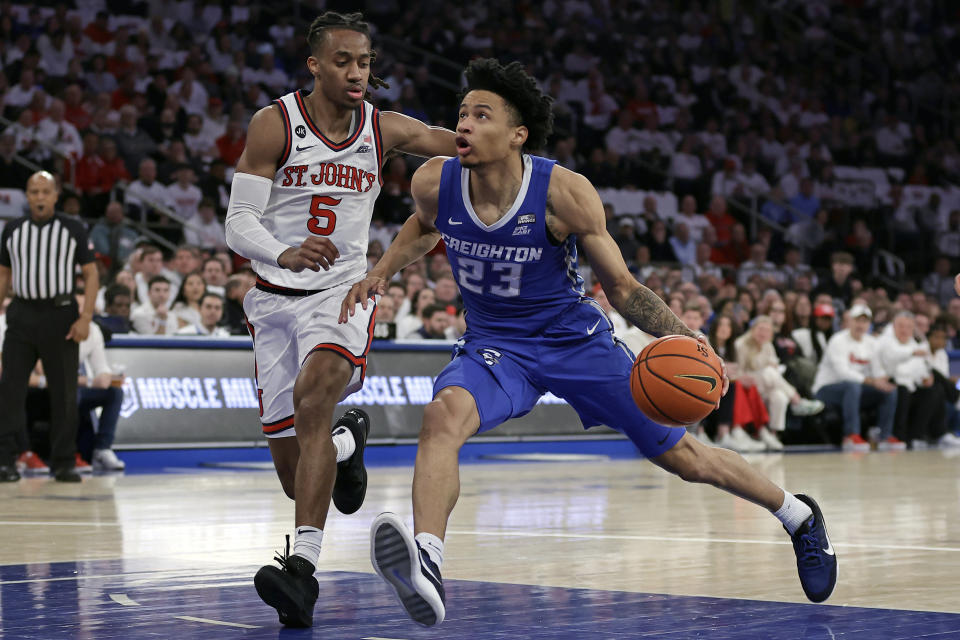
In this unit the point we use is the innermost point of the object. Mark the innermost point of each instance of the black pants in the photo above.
(37, 330)
(921, 414)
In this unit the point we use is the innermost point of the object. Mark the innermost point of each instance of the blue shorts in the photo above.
(575, 358)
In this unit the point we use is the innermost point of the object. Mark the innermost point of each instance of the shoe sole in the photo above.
(347, 498)
(274, 590)
(394, 556)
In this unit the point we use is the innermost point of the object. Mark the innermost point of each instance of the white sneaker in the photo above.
(918, 445)
(771, 441)
(107, 460)
(738, 440)
(399, 560)
(702, 437)
(806, 407)
(948, 441)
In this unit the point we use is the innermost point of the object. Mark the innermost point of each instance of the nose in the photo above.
(463, 126)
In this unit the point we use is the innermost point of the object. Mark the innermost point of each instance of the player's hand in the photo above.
(956, 284)
(314, 254)
(79, 330)
(362, 292)
(723, 368)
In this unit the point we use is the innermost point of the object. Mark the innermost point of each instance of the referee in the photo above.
(38, 258)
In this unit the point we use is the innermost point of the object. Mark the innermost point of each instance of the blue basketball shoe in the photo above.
(816, 559)
(400, 561)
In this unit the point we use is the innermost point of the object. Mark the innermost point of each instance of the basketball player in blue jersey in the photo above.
(510, 222)
(300, 209)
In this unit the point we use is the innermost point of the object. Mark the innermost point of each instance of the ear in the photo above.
(313, 65)
(520, 135)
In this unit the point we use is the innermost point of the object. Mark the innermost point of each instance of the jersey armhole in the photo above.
(378, 143)
(287, 137)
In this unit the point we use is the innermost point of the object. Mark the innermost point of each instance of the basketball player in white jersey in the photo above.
(300, 210)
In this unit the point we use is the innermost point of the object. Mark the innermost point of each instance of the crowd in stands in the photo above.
(745, 118)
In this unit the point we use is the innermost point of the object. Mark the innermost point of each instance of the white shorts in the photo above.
(288, 328)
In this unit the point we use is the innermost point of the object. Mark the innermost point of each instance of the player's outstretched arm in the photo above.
(417, 237)
(573, 206)
(409, 135)
(250, 193)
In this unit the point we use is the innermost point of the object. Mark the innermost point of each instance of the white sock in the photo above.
(306, 544)
(793, 513)
(344, 443)
(432, 545)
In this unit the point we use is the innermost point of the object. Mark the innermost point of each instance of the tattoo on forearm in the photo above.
(647, 311)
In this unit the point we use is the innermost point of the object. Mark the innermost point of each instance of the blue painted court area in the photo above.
(152, 599)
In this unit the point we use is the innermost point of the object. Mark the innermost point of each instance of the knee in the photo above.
(439, 425)
(694, 463)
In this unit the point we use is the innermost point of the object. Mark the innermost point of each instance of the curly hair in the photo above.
(528, 106)
(331, 20)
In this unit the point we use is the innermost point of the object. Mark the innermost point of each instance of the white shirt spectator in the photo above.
(892, 140)
(622, 141)
(898, 361)
(766, 269)
(139, 194)
(93, 354)
(146, 321)
(695, 222)
(56, 62)
(848, 360)
(686, 252)
(724, 184)
(19, 97)
(650, 140)
(804, 339)
(209, 234)
(184, 200)
(754, 184)
(716, 141)
(685, 166)
(196, 102)
(62, 135)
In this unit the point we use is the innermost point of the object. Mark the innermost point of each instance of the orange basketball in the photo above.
(676, 380)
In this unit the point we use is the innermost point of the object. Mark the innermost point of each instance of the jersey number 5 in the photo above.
(322, 221)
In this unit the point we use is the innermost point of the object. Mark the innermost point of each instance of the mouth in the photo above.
(355, 92)
(463, 146)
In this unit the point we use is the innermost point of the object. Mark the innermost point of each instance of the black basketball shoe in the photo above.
(351, 485)
(816, 559)
(291, 590)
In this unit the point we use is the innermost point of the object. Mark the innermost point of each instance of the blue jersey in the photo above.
(513, 277)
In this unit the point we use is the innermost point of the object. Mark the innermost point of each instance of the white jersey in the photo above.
(323, 189)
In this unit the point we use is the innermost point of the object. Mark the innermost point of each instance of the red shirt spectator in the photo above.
(721, 220)
(86, 169)
(230, 145)
(97, 30)
(736, 251)
(75, 114)
(113, 167)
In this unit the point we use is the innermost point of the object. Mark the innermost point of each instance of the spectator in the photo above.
(626, 237)
(133, 143)
(684, 247)
(191, 93)
(623, 139)
(805, 204)
(116, 311)
(145, 192)
(113, 169)
(661, 250)
(445, 291)
(435, 322)
(211, 312)
(850, 377)
(186, 306)
(56, 131)
(774, 210)
(920, 415)
(98, 388)
(758, 265)
(183, 196)
(458, 325)
(696, 222)
(215, 275)
(205, 230)
(939, 283)
(153, 317)
(111, 238)
(236, 288)
(408, 325)
(813, 340)
(727, 182)
(838, 285)
(757, 358)
(230, 145)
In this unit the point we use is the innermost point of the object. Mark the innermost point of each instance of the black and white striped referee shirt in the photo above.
(43, 257)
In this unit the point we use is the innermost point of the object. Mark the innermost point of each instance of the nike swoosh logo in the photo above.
(708, 379)
(428, 571)
(663, 439)
(829, 549)
(452, 221)
(593, 328)
(299, 148)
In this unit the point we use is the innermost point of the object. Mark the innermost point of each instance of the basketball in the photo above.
(676, 380)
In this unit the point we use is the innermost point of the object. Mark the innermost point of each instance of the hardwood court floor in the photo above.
(613, 549)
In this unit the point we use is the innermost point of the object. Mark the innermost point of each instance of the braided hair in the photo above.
(332, 20)
(528, 106)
